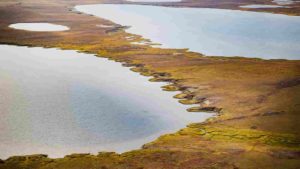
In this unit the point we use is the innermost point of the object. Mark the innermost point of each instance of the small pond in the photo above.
(39, 27)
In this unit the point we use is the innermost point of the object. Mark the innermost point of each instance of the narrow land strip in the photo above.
(257, 100)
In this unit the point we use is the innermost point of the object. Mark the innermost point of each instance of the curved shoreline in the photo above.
(248, 118)
(234, 39)
(290, 9)
(155, 77)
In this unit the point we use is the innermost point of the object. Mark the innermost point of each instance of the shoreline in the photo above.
(196, 88)
(290, 9)
(270, 53)
(154, 77)
(256, 10)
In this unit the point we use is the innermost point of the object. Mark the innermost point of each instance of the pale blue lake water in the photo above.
(39, 27)
(61, 102)
(213, 32)
(262, 6)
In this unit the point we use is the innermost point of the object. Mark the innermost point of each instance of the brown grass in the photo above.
(257, 100)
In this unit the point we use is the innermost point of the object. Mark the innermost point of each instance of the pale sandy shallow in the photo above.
(39, 27)
(61, 102)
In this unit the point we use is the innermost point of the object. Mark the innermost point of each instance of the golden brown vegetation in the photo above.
(257, 100)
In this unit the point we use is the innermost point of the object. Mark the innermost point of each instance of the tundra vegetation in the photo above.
(257, 100)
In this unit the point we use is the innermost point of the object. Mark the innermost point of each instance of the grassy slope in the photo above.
(257, 100)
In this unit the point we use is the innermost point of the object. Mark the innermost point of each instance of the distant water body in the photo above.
(61, 102)
(213, 32)
(263, 6)
(285, 2)
(154, 0)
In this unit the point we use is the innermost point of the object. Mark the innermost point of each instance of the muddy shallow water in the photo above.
(60, 102)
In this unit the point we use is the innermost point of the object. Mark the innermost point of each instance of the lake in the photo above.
(59, 102)
(263, 6)
(153, 0)
(213, 32)
(39, 27)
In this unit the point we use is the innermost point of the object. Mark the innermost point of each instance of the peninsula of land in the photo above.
(257, 100)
